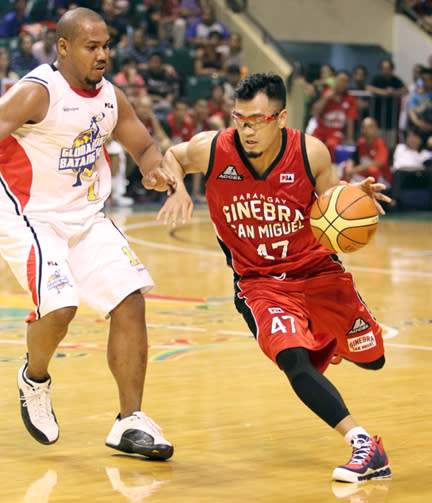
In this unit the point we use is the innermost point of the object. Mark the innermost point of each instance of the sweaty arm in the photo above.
(326, 177)
(135, 138)
(320, 164)
(23, 102)
(188, 157)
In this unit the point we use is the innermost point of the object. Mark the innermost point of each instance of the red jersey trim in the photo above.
(86, 93)
(16, 170)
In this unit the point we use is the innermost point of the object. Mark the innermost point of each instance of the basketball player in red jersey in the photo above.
(296, 297)
(54, 179)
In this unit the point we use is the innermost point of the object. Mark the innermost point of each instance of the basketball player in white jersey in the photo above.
(54, 179)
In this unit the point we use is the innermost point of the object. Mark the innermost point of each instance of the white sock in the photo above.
(358, 430)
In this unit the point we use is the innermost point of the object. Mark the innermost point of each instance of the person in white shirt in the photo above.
(411, 166)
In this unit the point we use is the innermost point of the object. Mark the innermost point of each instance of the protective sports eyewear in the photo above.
(256, 121)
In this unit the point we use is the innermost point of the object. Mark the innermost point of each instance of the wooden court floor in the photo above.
(240, 433)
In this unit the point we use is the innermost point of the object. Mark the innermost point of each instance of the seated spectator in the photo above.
(208, 61)
(11, 23)
(139, 49)
(144, 111)
(199, 116)
(410, 154)
(387, 88)
(197, 34)
(177, 124)
(335, 113)
(161, 15)
(416, 84)
(371, 157)
(233, 78)
(5, 71)
(223, 120)
(411, 166)
(162, 85)
(117, 27)
(359, 78)
(420, 108)
(233, 50)
(22, 60)
(326, 78)
(423, 9)
(216, 101)
(51, 11)
(129, 79)
(189, 13)
(45, 50)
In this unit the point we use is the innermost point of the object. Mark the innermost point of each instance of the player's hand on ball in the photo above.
(373, 190)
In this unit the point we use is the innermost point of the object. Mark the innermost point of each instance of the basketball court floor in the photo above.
(240, 433)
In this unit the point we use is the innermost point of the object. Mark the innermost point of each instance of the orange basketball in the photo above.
(344, 218)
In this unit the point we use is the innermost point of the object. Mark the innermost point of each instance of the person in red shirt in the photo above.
(335, 112)
(177, 124)
(371, 157)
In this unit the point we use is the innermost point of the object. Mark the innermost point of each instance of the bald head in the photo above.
(72, 20)
(369, 128)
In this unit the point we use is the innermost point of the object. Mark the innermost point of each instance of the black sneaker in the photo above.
(139, 434)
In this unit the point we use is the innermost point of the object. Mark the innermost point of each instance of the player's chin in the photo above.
(252, 154)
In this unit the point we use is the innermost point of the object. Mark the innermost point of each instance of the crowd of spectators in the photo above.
(146, 37)
(367, 122)
(163, 49)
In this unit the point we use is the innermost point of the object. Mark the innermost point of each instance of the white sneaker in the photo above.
(139, 434)
(36, 410)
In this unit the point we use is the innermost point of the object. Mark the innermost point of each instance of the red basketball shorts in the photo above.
(324, 314)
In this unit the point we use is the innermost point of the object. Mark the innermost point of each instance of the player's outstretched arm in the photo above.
(320, 164)
(188, 157)
(326, 177)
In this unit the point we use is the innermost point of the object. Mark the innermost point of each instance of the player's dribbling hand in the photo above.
(177, 203)
(373, 190)
(160, 179)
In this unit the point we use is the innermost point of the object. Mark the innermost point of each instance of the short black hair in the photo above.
(426, 71)
(270, 84)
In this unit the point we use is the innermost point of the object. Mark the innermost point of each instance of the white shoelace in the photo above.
(361, 452)
(40, 399)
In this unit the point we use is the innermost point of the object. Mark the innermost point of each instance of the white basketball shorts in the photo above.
(63, 265)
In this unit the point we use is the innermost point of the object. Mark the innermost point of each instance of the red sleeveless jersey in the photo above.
(262, 221)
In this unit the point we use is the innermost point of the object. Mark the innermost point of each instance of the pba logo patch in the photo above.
(230, 173)
(287, 178)
(275, 310)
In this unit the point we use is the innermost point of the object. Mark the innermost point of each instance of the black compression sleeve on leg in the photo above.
(312, 387)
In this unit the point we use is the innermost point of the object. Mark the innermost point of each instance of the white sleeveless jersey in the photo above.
(60, 166)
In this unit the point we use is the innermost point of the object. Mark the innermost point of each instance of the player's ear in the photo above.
(62, 46)
(282, 118)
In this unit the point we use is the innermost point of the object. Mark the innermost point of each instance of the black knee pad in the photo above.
(293, 361)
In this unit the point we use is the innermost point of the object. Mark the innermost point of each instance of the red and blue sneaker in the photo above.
(368, 461)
